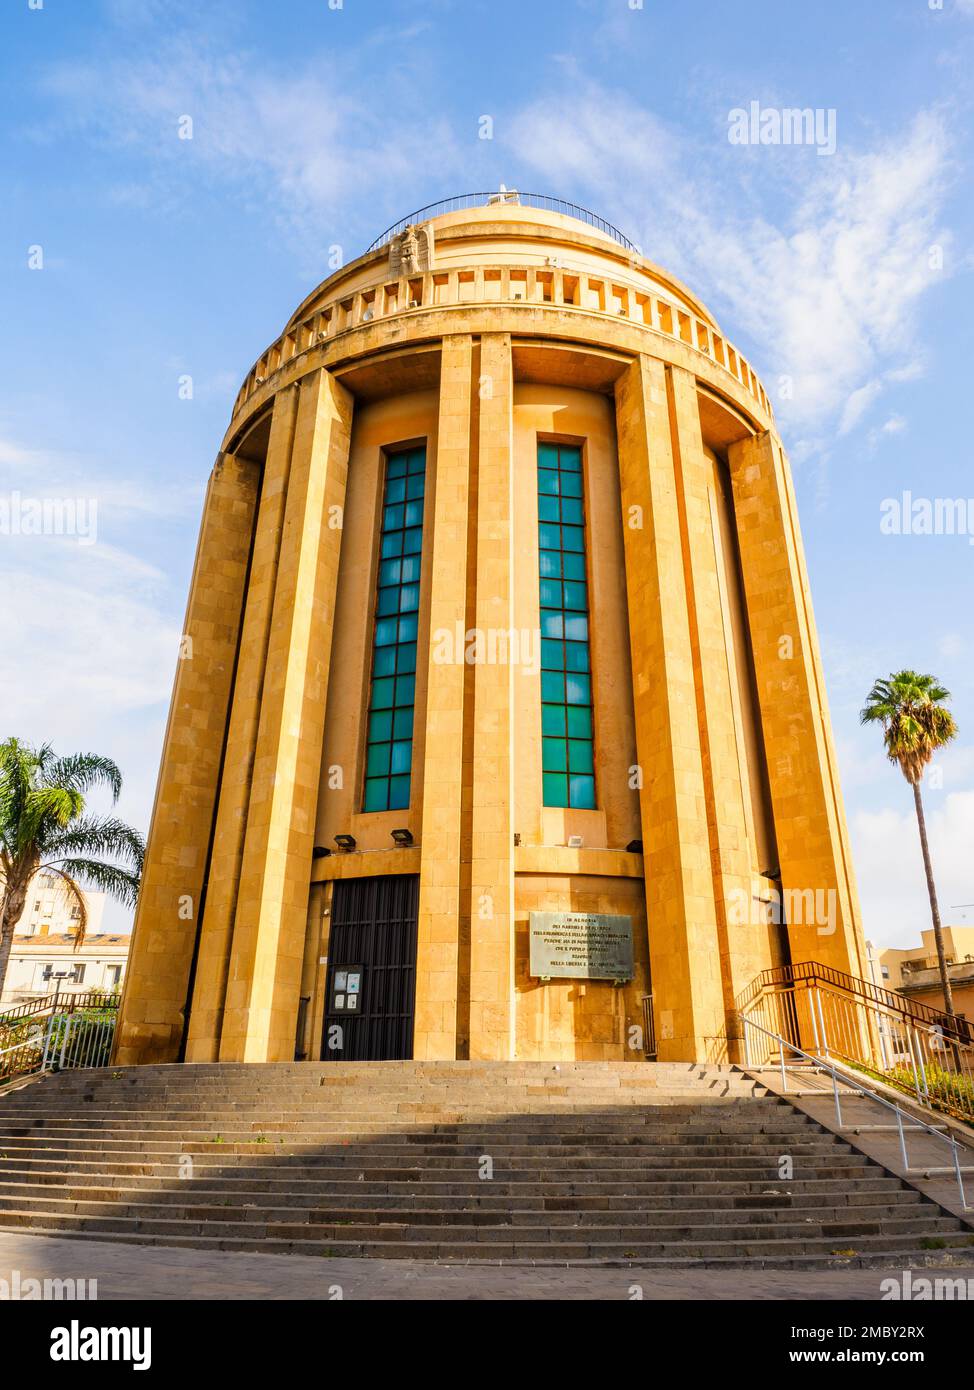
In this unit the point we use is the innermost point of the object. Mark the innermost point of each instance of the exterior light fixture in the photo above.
(345, 842)
(634, 847)
(320, 852)
(402, 836)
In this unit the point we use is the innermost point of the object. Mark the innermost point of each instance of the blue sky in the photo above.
(847, 276)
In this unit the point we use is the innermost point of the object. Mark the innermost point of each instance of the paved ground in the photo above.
(153, 1272)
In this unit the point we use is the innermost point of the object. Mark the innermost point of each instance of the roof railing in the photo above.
(504, 197)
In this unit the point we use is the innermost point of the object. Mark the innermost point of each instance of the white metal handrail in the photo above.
(62, 1042)
(901, 1115)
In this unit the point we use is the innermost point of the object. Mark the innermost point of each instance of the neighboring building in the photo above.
(43, 958)
(43, 962)
(50, 909)
(915, 971)
(502, 706)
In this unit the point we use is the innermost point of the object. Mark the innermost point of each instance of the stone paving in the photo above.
(154, 1272)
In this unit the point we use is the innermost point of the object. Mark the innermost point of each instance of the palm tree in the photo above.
(44, 828)
(915, 724)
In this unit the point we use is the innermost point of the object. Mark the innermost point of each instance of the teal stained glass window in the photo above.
(389, 745)
(566, 672)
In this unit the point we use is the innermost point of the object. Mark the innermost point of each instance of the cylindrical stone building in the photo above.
(499, 728)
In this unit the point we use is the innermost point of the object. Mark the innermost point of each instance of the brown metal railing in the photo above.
(812, 973)
(55, 1031)
(836, 1016)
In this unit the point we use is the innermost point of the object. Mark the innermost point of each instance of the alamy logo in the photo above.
(911, 1289)
(798, 907)
(907, 515)
(49, 516)
(783, 125)
(77, 1343)
(491, 646)
(17, 1289)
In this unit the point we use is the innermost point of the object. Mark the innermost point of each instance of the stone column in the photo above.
(684, 944)
(815, 864)
(152, 1017)
(492, 794)
(437, 954)
(272, 902)
(206, 1015)
(743, 938)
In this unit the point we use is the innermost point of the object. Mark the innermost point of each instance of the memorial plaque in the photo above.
(580, 946)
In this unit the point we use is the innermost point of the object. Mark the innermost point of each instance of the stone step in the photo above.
(633, 1083)
(628, 1223)
(69, 1189)
(372, 1105)
(270, 1240)
(846, 1181)
(410, 1074)
(404, 1126)
(549, 1104)
(666, 1158)
(376, 1167)
(206, 1126)
(730, 1261)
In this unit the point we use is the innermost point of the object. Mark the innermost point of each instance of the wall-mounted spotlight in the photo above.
(634, 847)
(320, 852)
(402, 836)
(345, 842)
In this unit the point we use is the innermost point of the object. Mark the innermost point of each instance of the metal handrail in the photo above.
(811, 972)
(892, 1045)
(52, 1049)
(27, 1008)
(847, 1080)
(504, 197)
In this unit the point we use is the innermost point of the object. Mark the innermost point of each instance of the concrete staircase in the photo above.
(644, 1163)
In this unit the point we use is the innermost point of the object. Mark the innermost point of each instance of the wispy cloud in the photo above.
(301, 147)
(825, 272)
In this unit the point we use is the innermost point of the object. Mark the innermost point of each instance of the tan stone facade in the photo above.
(716, 786)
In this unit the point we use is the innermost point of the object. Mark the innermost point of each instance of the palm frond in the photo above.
(44, 810)
(81, 771)
(89, 835)
(119, 883)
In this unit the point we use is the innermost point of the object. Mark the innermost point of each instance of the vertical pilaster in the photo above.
(815, 865)
(492, 828)
(271, 914)
(152, 1017)
(437, 955)
(684, 943)
(213, 963)
(743, 939)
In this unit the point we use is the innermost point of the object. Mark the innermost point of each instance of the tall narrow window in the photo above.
(389, 751)
(566, 678)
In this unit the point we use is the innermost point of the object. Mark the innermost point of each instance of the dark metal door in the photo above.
(370, 991)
